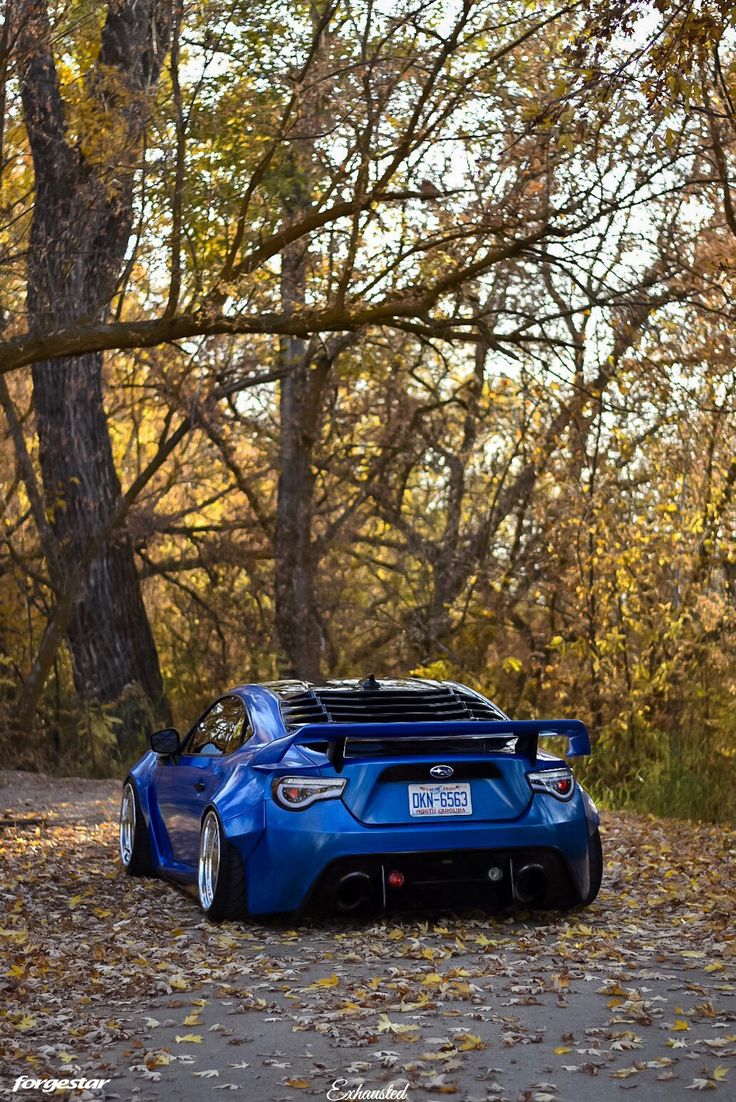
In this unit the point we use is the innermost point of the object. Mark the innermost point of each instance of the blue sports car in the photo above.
(362, 794)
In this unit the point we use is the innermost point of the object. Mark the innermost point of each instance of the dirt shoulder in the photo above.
(27, 797)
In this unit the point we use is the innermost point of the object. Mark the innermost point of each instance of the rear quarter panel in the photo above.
(240, 804)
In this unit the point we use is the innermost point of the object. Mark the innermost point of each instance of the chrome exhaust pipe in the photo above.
(353, 891)
(530, 884)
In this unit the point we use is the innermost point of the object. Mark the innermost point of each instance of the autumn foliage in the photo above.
(339, 340)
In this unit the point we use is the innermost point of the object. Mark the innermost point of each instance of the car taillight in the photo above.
(296, 793)
(559, 783)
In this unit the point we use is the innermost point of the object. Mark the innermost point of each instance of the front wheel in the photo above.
(220, 874)
(135, 849)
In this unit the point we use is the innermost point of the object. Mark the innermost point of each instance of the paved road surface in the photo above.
(513, 1037)
(110, 977)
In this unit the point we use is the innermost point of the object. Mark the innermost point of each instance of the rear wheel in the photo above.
(220, 873)
(135, 849)
(595, 865)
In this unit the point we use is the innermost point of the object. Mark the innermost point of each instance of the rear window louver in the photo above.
(479, 709)
(385, 705)
(301, 708)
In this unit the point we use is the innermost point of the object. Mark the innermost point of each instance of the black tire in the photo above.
(135, 851)
(595, 860)
(229, 900)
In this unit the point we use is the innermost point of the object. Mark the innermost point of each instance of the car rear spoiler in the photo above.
(527, 733)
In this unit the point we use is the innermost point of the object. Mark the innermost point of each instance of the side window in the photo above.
(222, 729)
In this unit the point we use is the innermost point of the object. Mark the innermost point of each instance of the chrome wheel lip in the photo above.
(126, 835)
(209, 860)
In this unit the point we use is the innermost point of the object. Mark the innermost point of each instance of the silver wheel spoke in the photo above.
(209, 861)
(127, 825)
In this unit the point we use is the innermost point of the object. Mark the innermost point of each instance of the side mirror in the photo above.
(166, 742)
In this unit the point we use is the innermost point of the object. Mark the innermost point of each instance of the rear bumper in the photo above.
(301, 856)
(443, 880)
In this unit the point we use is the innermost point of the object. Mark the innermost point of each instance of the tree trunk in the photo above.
(451, 564)
(298, 623)
(109, 635)
(297, 619)
(81, 226)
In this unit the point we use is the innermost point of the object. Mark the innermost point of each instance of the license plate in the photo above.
(439, 799)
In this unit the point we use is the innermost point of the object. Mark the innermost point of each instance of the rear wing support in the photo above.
(526, 732)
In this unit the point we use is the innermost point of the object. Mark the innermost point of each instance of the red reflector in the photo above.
(563, 785)
(396, 879)
(291, 793)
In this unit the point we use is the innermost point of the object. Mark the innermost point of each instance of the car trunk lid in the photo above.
(435, 785)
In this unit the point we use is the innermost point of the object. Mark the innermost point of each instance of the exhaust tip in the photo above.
(355, 890)
(530, 884)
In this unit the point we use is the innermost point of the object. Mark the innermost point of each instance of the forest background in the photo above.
(348, 337)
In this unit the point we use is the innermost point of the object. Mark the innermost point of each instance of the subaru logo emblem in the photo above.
(441, 771)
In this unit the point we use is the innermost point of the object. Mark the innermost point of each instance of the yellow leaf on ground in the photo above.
(624, 1073)
(467, 1042)
(326, 981)
(385, 1025)
(190, 1039)
(18, 936)
(158, 1060)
